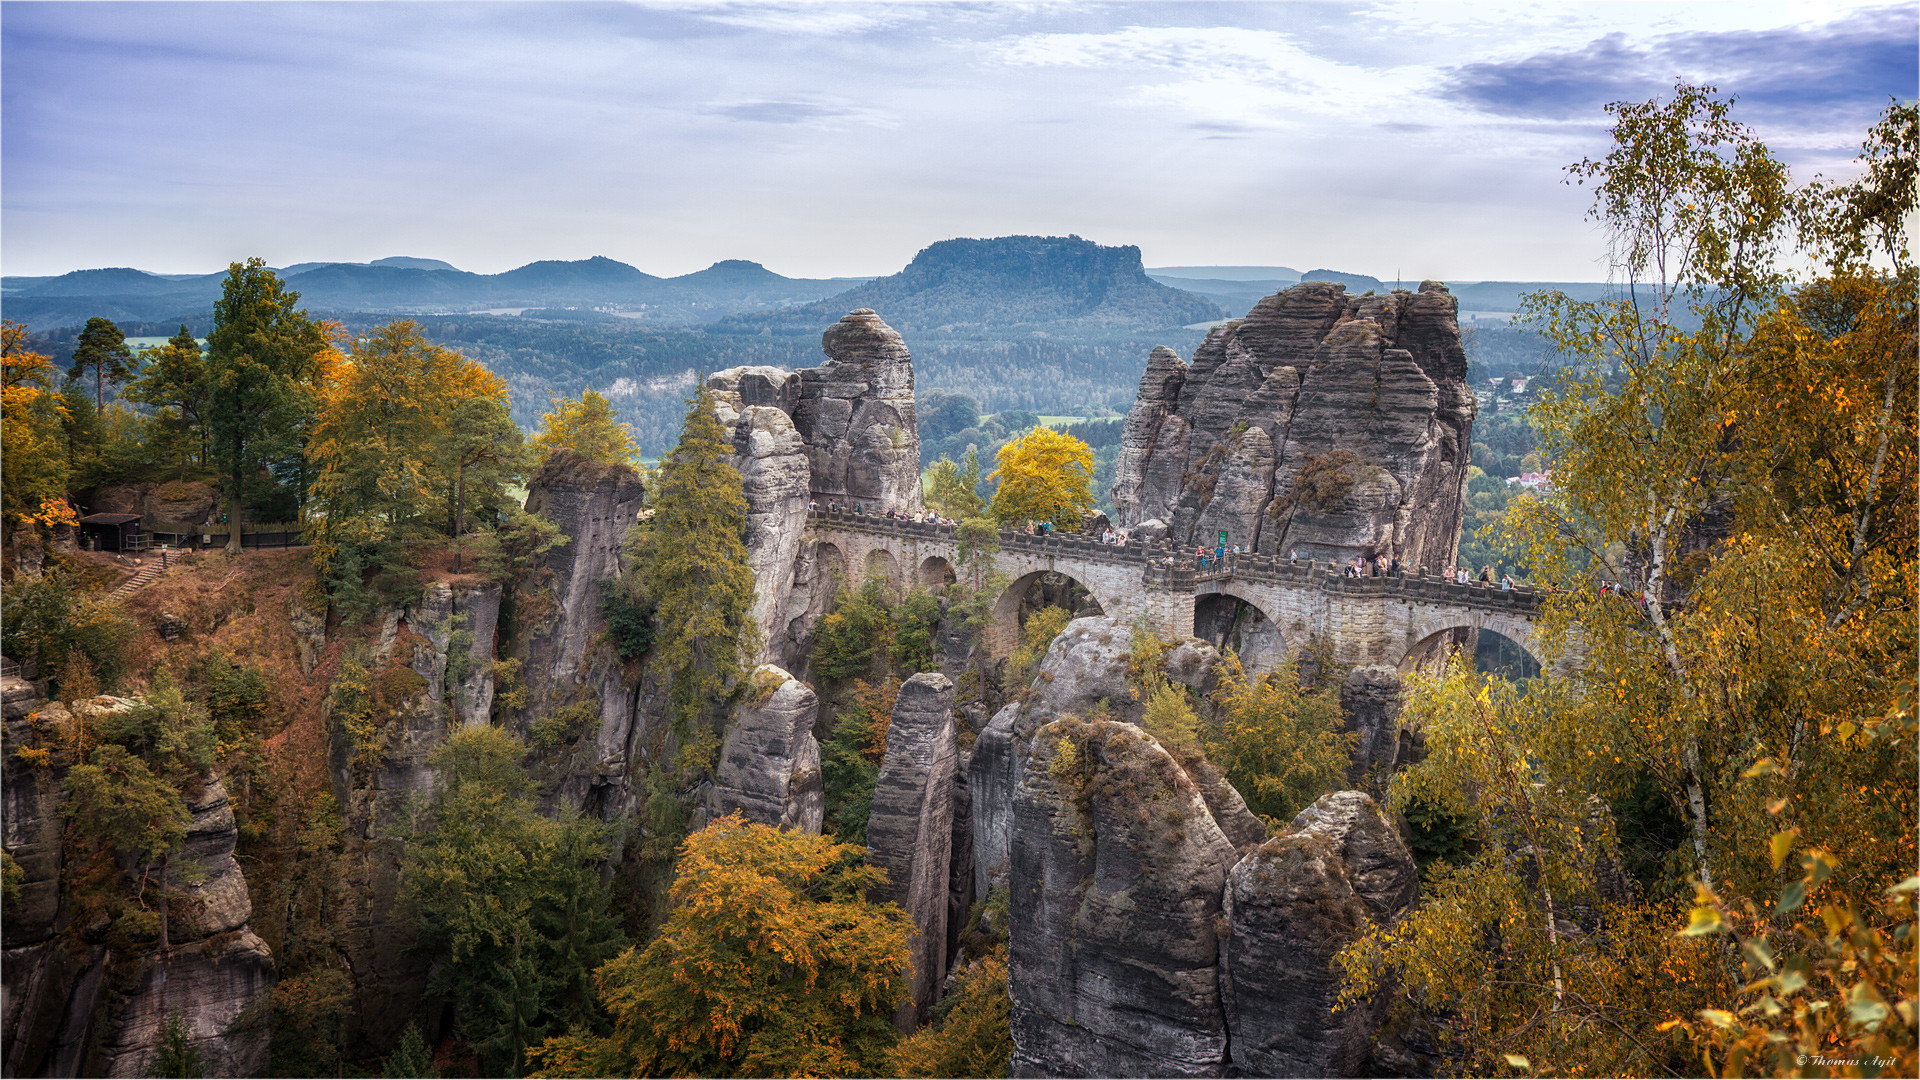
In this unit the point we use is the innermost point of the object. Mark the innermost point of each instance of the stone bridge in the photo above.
(1262, 605)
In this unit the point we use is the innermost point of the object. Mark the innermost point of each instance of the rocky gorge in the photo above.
(1156, 928)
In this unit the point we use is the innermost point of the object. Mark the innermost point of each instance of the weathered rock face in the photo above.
(1370, 702)
(753, 404)
(1290, 905)
(817, 571)
(1116, 879)
(595, 506)
(769, 762)
(1084, 672)
(1217, 444)
(185, 501)
(562, 661)
(855, 413)
(77, 1004)
(910, 828)
(460, 625)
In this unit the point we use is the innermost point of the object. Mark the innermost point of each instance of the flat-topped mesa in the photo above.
(855, 413)
(1330, 424)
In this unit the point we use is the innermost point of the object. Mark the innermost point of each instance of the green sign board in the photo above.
(1223, 538)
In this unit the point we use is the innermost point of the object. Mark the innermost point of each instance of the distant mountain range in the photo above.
(1009, 284)
(402, 285)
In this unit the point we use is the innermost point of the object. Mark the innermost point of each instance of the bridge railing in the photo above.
(1184, 573)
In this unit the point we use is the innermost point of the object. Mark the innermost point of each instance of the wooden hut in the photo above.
(111, 532)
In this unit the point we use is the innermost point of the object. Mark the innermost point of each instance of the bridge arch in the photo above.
(935, 572)
(1431, 629)
(1003, 633)
(882, 562)
(1224, 614)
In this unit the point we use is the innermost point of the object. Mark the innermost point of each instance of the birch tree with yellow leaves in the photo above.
(1732, 451)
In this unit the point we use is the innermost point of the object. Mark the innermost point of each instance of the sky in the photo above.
(1415, 140)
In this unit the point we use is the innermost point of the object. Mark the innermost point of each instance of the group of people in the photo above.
(923, 516)
(1210, 560)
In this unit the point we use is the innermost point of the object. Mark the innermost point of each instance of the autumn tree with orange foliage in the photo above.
(1044, 475)
(773, 963)
(410, 436)
(33, 464)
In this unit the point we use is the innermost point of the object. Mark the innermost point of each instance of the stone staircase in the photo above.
(153, 569)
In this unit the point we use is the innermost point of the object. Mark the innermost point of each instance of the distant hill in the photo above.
(1505, 295)
(1226, 273)
(409, 263)
(1007, 284)
(1236, 296)
(1355, 283)
(406, 286)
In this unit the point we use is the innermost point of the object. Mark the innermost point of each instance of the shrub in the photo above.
(565, 725)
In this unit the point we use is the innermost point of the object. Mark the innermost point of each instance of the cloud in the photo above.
(811, 19)
(779, 112)
(1798, 74)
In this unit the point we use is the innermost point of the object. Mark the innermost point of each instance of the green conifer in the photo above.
(692, 564)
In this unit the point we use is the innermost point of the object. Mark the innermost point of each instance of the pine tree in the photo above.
(174, 377)
(102, 347)
(261, 355)
(692, 565)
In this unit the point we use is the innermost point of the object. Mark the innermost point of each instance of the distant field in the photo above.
(1065, 421)
(156, 342)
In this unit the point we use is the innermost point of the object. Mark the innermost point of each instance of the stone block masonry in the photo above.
(1381, 620)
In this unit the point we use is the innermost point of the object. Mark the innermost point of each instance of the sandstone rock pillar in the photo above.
(769, 762)
(910, 828)
(1290, 906)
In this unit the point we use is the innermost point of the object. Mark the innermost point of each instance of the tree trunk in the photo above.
(233, 516)
(459, 517)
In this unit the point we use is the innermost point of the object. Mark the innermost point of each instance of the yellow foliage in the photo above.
(772, 963)
(974, 1037)
(587, 427)
(1044, 475)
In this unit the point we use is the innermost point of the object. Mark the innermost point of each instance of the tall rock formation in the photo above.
(855, 413)
(563, 659)
(1367, 395)
(1290, 906)
(88, 997)
(1116, 887)
(1083, 673)
(769, 762)
(910, 827)
(754, 405)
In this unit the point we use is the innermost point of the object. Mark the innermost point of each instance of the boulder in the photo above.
(1083, 673)
(910, 828)
(1116, 880)
(1290, 905)
(856, 416)
(769, 762)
